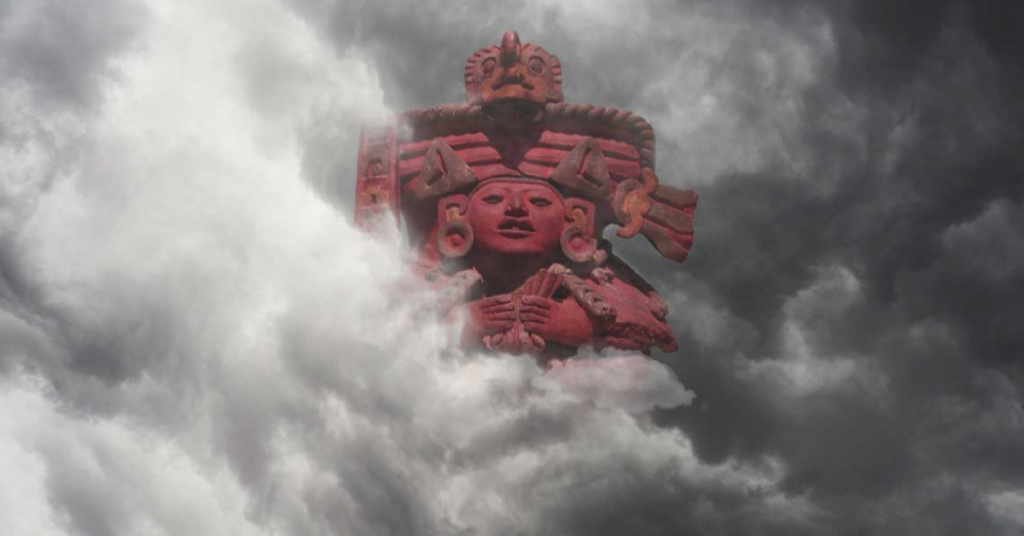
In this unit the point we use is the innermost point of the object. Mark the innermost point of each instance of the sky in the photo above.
(195, 340)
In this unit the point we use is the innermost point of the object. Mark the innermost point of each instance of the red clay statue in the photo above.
(506, 199)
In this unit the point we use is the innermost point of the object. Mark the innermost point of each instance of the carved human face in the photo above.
(514, 73)
(518, 218)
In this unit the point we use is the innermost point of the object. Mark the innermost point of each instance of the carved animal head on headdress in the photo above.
(514, 74)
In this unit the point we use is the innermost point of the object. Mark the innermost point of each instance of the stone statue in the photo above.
(506, 199)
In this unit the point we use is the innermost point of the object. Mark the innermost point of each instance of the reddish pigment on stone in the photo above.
(506, 199)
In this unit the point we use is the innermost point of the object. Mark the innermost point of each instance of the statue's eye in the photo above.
(537, 65)
(488, 66)
(541, 202)
(493, 199)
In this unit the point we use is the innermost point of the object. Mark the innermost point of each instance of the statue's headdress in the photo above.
(490, 66)
(516, 125)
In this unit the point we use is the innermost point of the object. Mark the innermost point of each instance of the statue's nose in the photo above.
(511, 48)
(516, 206)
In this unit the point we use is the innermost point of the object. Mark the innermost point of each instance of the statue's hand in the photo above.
(564, 322)
(485, 317)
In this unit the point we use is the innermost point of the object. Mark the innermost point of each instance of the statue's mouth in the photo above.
(515, 228)
(515, 110)
(513, 80)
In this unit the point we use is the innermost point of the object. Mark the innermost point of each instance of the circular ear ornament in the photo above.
(454, 236)
(454, 239)
(577, 245)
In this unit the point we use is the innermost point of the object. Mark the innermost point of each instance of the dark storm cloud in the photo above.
(846, 318)
(910, 128)
(941, 177)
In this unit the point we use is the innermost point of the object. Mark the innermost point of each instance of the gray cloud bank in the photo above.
(193, 340)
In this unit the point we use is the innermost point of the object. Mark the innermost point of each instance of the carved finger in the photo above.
(542, 281)
(525, 289)
(537, 301)
(546, 313)
(534, 317)
(536, 309)
(540, 310)
(535, 327)
(497, 308)
(500, 316)
(551, 281)
(532, 284)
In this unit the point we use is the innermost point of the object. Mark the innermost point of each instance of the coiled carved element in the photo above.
(633, 202)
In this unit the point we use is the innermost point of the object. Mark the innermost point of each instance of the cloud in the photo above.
(61, 51)
(193, 339)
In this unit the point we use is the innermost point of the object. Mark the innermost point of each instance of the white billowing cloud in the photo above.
(24, 507)
(213, 349)
(612, 381)
(70, 474)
